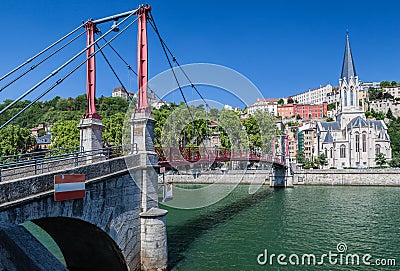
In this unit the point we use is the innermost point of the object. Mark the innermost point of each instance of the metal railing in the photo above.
(30, 164)
(194, 154)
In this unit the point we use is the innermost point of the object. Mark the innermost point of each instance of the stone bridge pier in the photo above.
(282, 176)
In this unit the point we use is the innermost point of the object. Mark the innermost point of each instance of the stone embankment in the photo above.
(229, 177)
(359, 177)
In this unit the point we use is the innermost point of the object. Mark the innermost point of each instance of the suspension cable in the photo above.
(59, 68)
(59, 81)
(113, 71)
(176, 79)
(154, 26)
(135, 73)
(40, 53)
(40, 62)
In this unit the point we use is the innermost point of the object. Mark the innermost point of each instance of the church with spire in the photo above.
(352, 140)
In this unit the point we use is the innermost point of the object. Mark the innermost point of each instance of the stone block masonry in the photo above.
(359, 177)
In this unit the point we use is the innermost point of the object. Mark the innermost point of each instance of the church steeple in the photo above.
(348, 69)
(349, 89)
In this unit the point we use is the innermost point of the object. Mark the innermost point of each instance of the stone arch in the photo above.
(84, 245)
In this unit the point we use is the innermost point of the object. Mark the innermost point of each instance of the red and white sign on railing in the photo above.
(69, 186)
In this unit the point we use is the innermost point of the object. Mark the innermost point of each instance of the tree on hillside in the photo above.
(374, 93)
(393, 83)
(281, 102)
(267, 130)
(112, 105)
(230, 123)
(389, 114)
(15, 140)
(81, 102)
(385, 84)
(331, 106)
(387, 95)
(394, 134)
(112, 133)
(65, 134)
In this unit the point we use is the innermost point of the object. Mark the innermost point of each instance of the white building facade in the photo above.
(264, 104)
(313, 96)
(351, 140)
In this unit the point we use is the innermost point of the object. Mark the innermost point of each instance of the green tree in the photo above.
(395, 162)
(15, 140)
(374, 93)
(394, 133)
(112, 133)
(301, 158)
(266, 131)
(62, 104)
(233, 128)
(281, 102)
(331, 106)
(65, 135)
(393, 83)
(380, 159)
(387, 95)
(81, 102)
(385, 84)
(389, 114)
(112, 105)
(322, 160)
(380, 115)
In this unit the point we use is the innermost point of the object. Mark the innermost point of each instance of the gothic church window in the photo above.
(377, 149)
(351, 96)
(357, 142)
(364, 142)
(342, 151)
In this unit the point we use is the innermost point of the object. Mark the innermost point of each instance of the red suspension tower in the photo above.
(91, 29)
(142, 58)
(142, 61)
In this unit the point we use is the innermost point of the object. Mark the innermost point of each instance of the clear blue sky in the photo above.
(283, 46)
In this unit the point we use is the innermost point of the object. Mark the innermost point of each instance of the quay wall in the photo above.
(230, 177)
(359, 177)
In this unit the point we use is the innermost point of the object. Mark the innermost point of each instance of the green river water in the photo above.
(232, 233)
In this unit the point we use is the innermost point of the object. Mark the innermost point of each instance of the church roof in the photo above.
(348, 69)
(378, 124)
(328, 137)
(358, 122)
(333, 125)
